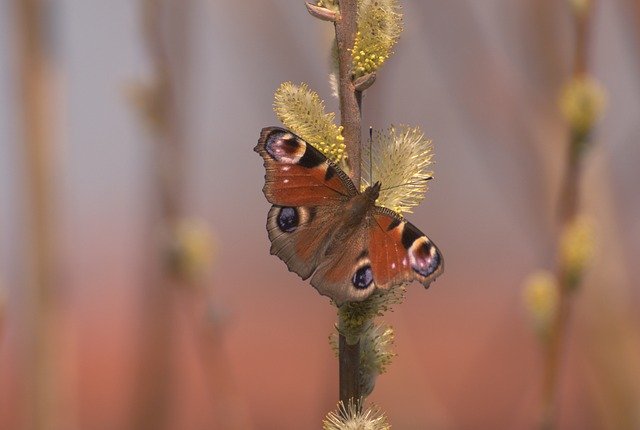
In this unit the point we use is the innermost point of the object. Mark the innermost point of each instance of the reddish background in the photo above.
(480, 78)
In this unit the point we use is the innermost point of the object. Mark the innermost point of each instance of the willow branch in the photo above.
(350, 118)
(153, 395)
(37, 132)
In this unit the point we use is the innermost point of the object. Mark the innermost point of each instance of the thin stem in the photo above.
(153, 394)
(37, 132)
(568, 205)
(349, 362)
(350, 118)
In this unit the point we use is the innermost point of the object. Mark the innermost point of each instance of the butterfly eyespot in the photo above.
(424, 258)
(288, 219)
(363, 277)
(284, 147)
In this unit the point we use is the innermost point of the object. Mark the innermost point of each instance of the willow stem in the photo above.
(153, 388)
(350, 118)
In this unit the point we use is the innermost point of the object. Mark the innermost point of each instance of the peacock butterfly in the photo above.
(322, 227)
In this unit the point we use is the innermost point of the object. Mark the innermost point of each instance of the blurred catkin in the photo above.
(581, 104)
(190, 249)
(576, 248)
(541, 297)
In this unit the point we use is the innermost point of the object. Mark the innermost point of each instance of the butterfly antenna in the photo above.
(370, 155)
(421, 181)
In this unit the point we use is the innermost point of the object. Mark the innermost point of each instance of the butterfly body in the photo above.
(358, 208)
(323, 228)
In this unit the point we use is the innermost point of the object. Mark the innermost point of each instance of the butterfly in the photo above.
(323, 228)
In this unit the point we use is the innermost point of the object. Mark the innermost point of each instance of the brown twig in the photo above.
(568, 205)
(350, 117)
(349, 369)
(38, 134)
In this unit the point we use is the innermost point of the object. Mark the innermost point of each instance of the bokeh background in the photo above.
(246, 346)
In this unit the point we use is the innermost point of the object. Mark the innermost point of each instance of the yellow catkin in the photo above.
(401, 159)
(355, 417)
(192, 248)
(354, 316)
(376, 354)
(580, 7)
(577, 245)
(302, 111)
(379, 27)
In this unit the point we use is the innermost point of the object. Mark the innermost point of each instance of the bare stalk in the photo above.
(153, 393)
(568, 205)
(350, 118)
(38, 135)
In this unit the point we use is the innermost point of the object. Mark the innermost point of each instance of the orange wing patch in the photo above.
(295, 185)
(400, 252)
(389, 258)
(297, 173)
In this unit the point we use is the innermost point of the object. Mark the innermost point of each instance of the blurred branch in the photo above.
(165, 25)
(37, 131)
(569, 206)
(209, 327)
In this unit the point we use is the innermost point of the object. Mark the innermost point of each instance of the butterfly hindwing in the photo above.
(300, 235)
(297, 173)
(400, 252)
(345, 273)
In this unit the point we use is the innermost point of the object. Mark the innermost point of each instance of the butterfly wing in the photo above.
(400, 252)
(307, 192)
(300, 235)
(383, 252)
(306, 226)
(298, 174)
(345, 273)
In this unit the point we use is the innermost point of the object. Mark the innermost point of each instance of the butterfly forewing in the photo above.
(298, 174)
(400, 252)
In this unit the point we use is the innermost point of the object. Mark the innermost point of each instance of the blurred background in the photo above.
(130, 130)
